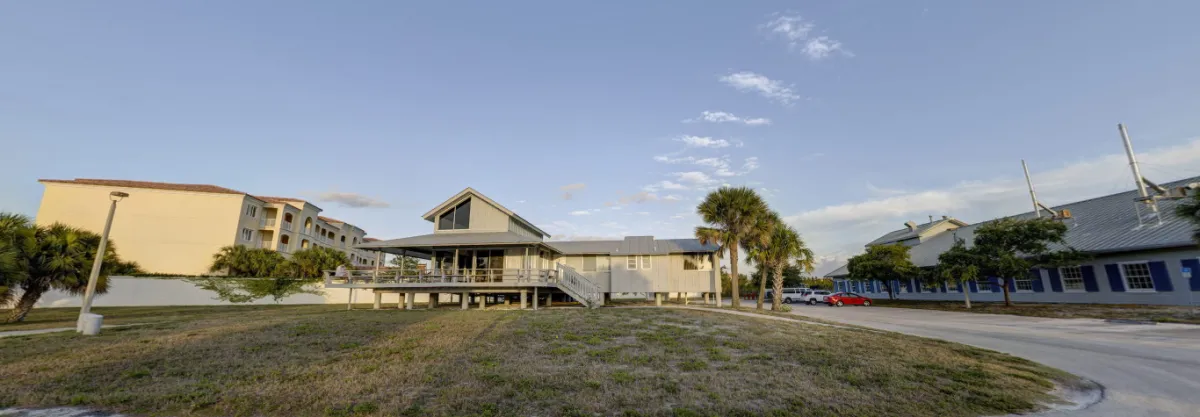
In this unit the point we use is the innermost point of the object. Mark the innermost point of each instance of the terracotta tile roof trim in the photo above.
(330, 219)
(198, 188)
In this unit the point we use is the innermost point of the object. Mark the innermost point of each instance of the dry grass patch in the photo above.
(1162, 314)
(320, 361)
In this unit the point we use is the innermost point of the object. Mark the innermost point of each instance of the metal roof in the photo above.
(632, 245)
(1105, 224)
(453, 239)
(472, 192)
(906, 233)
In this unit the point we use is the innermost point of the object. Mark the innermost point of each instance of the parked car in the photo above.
(847, 298)
(790, 295)
(814, 296)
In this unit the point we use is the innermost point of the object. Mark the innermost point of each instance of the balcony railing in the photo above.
(266, 223)
(462, 276)
(286, 226)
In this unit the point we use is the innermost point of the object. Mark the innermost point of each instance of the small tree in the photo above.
(731, 214)
(959, 265)
(308, 263)
(1009, 248)
(409, 263)
(883, 263)
(16, 240)
(1190, 210)
(759, 248)
(60, 257)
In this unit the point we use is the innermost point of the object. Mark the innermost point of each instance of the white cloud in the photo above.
(521, 201)
(668, 159)
(580, 213)
(695, 178)
(702, 142)
(723, 117)
(766, 87)
(353, 200)
(672, 197)
(821, 47)
(841, 230)
(615, 207)
(567, 190)
(641, 197)
(643, 213)
(797, 31)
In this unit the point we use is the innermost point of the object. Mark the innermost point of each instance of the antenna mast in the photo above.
(1037, 211)
(1137, 178)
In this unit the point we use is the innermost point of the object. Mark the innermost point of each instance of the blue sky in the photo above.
(850, 116)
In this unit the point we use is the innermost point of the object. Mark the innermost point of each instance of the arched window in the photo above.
(304, 244)
(287, 217)
(343, 239)
(284, 239)
(308, 225)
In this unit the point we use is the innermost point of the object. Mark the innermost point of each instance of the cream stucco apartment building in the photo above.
(176, 228)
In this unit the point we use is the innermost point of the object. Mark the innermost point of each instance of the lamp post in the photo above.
(115, 196)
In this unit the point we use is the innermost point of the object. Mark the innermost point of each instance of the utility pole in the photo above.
(94, 276)
(1037, 211)
(1137, 172)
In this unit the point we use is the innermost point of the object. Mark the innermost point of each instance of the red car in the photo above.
(847, 298)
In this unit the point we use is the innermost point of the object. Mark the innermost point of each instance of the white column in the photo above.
(400, 303)
(350, 299)
(409, 300)
(482, 301)
(535, 300)
(375, 275)
(378, 299)
(523, 294)
(433, 300)
(465, 298)
(658, 299)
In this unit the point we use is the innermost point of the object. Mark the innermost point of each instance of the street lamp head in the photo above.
(117, 195)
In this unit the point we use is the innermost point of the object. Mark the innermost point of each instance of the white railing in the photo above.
(286, 226)
(393, 275)
(579, 286)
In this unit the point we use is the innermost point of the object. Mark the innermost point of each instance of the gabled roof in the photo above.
(196, 188)
(471, 192)
(1107, 224)
(452, 239)
(632, 245)
(907, 233)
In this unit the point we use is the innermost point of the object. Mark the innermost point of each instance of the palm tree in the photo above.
(784, 246)
(242, 261)
(16, 234)
(1191, 210)
(731, 214)
(61, 259)
(758, 245)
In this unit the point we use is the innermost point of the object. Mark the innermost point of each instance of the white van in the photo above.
(790, 295)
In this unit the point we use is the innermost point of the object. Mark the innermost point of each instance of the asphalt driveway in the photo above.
(1147, 370)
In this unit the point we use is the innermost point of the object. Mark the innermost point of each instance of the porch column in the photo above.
(454, 267)
(378, 299)
(401, 266)
(474, 261)
(378, 261)
(525, 264)
(433, 300)
(549, 299)
(686, 300)
(409, 300)
(482, 301)
(523, 293)
(350, 299)
(716, 278)
(535, 301)
(400, 303)
(658, 299)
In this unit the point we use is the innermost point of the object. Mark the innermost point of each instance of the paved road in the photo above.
(1146, 370)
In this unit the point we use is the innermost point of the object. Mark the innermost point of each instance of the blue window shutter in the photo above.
(960, 286)
(995, 284)
(1195, 265)
(918, 286)
(908, 285)
(1162, 278)
(1012, 284)
(895, 286)
(1114, 277)
(1055, 280)
(1036, 275)
(972, 286)
(1089, 278)
(943, 287)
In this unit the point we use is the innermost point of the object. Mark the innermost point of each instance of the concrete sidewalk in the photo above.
(58, 329)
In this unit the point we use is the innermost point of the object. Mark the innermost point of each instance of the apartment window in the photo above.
(247, 234)
(589, 263)
(1137, 276)
(1072, 278)
(251, 210)
(696, 262)
(458, 217)
(283, 242)
(646, 261)
(1023, 284)
(984, 285)
(631, 262)
(602, 263)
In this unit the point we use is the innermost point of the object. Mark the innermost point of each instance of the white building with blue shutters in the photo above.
(1151, 260)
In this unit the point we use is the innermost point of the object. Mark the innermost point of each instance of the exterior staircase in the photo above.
(579, 287)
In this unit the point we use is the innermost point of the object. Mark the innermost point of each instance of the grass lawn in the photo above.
(321, 360)
(1163, 314)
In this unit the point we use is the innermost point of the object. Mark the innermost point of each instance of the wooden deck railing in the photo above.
(463, 276)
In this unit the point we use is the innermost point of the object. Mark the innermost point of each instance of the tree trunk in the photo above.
(733, 277)
(966, 293)
(1004, 287)
(28, 299)
(888, 285)
(762, 287)
(776, 288)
